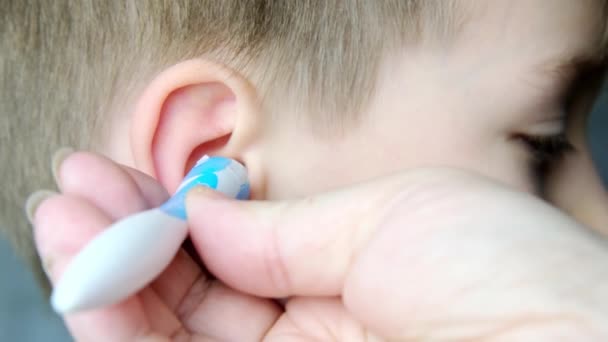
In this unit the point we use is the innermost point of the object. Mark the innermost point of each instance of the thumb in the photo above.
(418, 250)
(294, 247)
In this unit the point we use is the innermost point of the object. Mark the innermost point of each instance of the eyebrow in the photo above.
(566, 68)
(569, 66)
(596, 56)
(582, 73)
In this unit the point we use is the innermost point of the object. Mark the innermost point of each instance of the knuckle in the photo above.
(274, 256)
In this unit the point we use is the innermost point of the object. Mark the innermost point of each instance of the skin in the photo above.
(456, 105)
(496, 80)
(337, 256)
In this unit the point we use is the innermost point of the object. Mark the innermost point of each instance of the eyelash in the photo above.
(545, 151)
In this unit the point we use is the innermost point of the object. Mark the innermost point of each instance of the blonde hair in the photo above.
(67, 64)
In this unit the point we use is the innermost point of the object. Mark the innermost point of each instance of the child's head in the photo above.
(309, 94)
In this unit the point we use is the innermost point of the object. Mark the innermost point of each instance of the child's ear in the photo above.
(191, 109)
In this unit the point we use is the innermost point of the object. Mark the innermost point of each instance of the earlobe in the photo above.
(189, 110)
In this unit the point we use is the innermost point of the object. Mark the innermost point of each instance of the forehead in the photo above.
(538, 28)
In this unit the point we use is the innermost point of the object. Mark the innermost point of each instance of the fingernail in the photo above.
(205, 192)
(57, 160)
(209, 192)
(33, 202)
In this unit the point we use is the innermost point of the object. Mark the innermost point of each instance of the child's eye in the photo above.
(548, 148)
(545, 151)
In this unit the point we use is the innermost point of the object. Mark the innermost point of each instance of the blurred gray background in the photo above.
(25, 315)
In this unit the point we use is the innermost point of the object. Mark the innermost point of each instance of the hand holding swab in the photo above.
(132, 252)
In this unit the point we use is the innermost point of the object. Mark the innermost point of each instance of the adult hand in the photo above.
(432, 254)
(183, 304)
